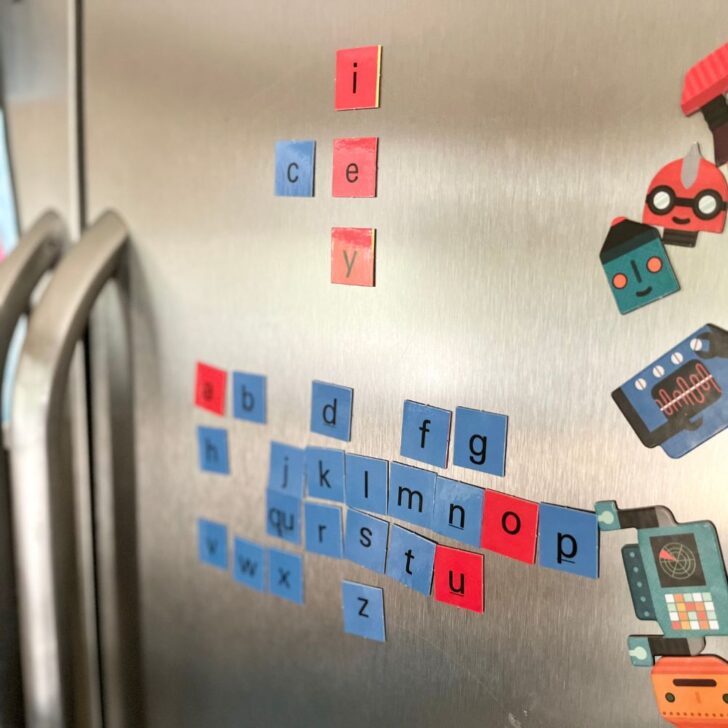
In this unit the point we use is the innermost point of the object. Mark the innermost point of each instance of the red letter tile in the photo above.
(459, 578)
(210, 388)
(352, 256)
(355, 168)
(510, 526)
(357, 78)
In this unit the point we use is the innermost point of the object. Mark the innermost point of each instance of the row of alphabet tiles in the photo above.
(354, 172)
(480, 436)
(568, 539)
(281, 573)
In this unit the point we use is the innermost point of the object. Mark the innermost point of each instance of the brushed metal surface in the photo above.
(510, 135)
(58, 678)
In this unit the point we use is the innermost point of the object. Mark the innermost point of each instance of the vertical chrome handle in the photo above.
(37, 251)
(48, 592)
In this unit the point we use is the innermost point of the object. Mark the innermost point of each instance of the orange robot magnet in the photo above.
(692, 692)
(687, 196)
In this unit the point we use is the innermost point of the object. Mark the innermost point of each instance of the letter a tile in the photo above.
(353, 256)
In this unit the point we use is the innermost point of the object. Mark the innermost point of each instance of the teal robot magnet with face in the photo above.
(636, 264)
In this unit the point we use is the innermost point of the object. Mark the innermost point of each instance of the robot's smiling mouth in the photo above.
(681, 220)
(643, 293)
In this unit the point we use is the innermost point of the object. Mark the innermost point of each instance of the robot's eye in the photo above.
(619, 280)
(654, 264)
(661, 200)
(671, 698)
(725, 697)
(708, 204)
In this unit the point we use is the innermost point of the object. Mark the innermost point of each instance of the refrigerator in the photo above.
(310, 245)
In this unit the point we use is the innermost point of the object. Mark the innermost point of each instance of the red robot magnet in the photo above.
(692, 692)
(687, 196)
(705, 88)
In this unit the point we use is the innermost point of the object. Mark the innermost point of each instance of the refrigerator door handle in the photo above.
(47, 573)
(38, 250)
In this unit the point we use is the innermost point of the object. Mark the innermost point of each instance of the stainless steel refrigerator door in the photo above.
(510, 136)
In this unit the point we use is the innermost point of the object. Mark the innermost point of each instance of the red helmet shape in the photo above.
(706, 84)
(685, 197)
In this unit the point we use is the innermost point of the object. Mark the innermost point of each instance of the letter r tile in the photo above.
(353, 256)
(459, 578)
(355, 167)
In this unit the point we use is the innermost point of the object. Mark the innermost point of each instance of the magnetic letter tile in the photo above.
(353, 252)
(458, 510)
(357, 78)
(249, 397)
(510, 526)
(480, 440)
(212, 446)
(212, 543)
(325, 473)
(363, 610)
(568, 540)
(366, 540)
(283, 516)
(411, 494)
(425, 433)
(459, 578)
(366, 483)
(331, 408)
(410, 559)
(295, 168)
(286, 469)
(210, 384)
(323, 530)
(249, 567)
(355, 167)
(285, 575)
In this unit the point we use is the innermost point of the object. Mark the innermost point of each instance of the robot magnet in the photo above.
(636, 264)
(678, 401)
(692, 692)
(705, 89)
(676, 577)
(687, 196)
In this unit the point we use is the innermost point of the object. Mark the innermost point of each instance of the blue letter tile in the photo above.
(212, 543)
(283, 516)
(295, 168)
(286, 469)
(568, 540)
(331, 407)
(480, 440)
(285, 575)
(323, 530)
(212, 445)
(425, 433)
(366, 540)
(249, 567)
(458, 510)
(363, 610)
(325, 473)
(249, 397)
(411, 494)
(366, 483)
(410, 559)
